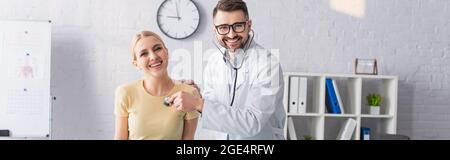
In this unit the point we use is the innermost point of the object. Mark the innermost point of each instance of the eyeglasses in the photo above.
(224, 29)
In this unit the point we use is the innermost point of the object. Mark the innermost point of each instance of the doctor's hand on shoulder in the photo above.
(186, 102)
(190, 83)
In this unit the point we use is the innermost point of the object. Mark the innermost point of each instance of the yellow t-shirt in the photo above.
(148, 117)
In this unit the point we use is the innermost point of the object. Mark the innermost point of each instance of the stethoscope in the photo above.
(227, 60)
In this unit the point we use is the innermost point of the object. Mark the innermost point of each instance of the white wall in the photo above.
(90, 48)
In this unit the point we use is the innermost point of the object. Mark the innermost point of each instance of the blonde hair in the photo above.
(141, 35)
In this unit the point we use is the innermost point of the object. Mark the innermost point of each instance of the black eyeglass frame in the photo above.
(232, 26)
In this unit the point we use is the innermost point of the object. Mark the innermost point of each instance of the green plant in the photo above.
(374, 99)
(308, 137)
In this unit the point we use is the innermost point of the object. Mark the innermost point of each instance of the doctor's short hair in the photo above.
(141, 35)
(231, 5)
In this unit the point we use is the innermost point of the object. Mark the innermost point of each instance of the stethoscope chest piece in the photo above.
(166, 102)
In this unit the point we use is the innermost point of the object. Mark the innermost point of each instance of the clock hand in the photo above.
(174, 17)
(176, 5)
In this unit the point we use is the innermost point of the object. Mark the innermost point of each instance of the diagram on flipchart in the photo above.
(25, 57)
(25, 54)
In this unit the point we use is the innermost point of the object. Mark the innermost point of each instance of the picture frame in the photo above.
(366, 66)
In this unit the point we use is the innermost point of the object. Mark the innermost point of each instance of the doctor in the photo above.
(243, 83)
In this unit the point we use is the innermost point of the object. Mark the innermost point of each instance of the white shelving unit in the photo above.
(353, 89)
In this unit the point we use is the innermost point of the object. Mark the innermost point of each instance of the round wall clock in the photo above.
(178, 19)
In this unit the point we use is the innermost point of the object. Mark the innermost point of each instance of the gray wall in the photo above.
(90, 48)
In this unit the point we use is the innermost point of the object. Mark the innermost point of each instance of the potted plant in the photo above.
(374, 102)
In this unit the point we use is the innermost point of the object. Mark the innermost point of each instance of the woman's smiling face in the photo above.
(151, 56)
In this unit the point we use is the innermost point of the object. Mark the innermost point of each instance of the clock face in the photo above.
(178, 19)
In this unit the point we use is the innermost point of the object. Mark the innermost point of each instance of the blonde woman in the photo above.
(139, 108)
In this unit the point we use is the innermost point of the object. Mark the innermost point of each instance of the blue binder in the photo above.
(365, 133)
(331, 99)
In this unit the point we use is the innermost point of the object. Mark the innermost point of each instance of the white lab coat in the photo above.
(257, 112)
